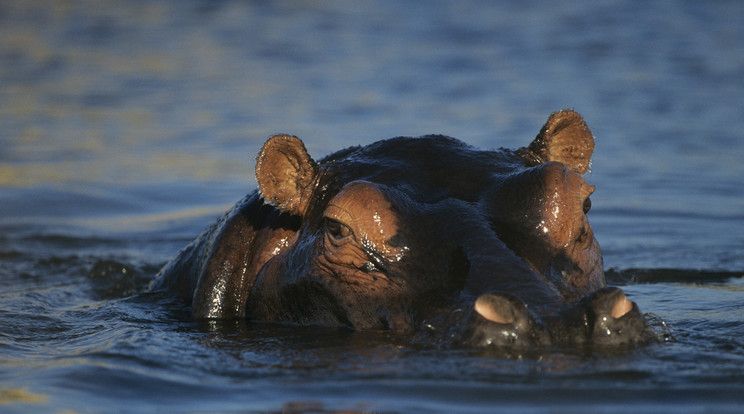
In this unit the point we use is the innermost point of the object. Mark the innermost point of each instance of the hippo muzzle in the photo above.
(606, 318)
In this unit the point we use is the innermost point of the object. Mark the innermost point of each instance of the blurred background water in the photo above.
(126, 127)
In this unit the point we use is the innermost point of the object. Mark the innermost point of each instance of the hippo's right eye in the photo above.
(336, 230)
(587, 205)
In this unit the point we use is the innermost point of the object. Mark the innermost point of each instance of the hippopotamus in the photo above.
(485, 248)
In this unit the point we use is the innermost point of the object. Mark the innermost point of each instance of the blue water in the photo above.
(127, 127)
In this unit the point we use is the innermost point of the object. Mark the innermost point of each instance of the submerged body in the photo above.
(416, 234)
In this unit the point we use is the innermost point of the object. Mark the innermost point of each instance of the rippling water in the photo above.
(127, 127)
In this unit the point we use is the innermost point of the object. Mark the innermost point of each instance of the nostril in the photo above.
(621, 307)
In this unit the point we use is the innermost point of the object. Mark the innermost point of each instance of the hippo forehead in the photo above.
(426, 169)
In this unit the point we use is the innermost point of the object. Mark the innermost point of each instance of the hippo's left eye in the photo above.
(336, 230)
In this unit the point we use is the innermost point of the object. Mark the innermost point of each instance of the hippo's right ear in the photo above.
(564, 138)
(286, 173)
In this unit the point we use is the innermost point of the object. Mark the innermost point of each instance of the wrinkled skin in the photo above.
(416, 235)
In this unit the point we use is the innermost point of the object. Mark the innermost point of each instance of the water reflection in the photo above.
(291, 350)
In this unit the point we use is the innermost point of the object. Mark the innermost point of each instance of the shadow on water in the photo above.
(651, 276)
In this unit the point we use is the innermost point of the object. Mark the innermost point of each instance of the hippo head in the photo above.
(423, 234)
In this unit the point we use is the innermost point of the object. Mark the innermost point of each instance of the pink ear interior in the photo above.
(565, 138)
(285, 173)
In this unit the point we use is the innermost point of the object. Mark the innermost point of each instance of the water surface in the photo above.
(126, 128)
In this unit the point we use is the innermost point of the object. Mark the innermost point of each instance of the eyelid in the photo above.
(336, 213)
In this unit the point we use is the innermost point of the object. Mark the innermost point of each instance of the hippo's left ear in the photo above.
(564, 138)
(285, 173)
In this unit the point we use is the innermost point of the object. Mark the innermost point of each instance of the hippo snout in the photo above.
(607, 318)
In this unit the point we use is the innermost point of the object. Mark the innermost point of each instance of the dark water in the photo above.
(126, 127)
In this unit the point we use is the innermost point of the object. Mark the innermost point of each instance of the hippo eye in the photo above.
(337, 230)
(587, 205)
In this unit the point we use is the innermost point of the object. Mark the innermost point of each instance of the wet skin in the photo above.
(415, 235)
